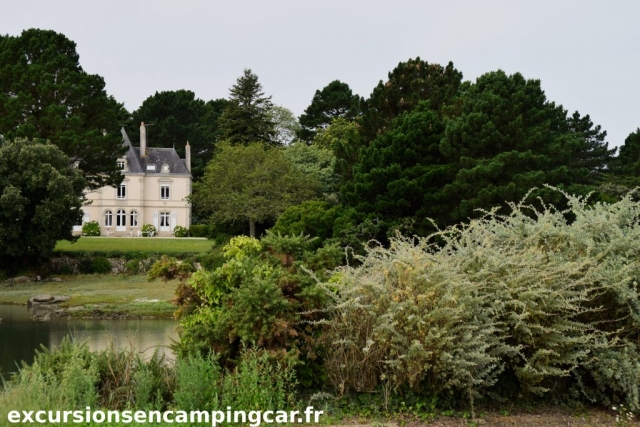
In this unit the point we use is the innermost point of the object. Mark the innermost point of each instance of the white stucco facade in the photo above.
(154, 191)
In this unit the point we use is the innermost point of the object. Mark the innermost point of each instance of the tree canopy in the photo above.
(628, 161)
(40, 200)
(497, 140)
(408, 84)
(250, 183)
(246, 118)
(336, 100)
(45, 93)
(176, 117)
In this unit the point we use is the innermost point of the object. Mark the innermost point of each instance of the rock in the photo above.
(48, 299)
(20, 279)
(55, 279)
(39, 299)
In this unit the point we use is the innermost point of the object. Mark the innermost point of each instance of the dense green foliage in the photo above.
(250, 184)
(500, 138)
(262, 298)
(74, 378)
(336, 100)
(247, 117)
(40, 200)
(517, 305)
(45, 94)
(628, 161)
(91, 228)
(408, 84)
(175, 117)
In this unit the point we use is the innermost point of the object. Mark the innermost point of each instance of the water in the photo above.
(20, 336)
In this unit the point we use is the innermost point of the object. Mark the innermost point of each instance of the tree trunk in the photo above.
(252, 228)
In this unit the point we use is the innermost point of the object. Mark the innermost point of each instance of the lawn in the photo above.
(140, 244)
(124, 294)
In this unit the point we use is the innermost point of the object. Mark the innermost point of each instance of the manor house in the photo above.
(154, 190)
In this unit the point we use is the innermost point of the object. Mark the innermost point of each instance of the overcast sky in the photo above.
(586, 53)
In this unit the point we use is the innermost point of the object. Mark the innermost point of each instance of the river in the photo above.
(20, 337)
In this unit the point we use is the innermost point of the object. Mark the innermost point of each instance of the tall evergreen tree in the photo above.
(408, 84)
(628, 161)
(246, 118)
(45, 93)
(336, 100)
(508, 138)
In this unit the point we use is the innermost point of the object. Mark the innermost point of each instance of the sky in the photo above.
(585, 53)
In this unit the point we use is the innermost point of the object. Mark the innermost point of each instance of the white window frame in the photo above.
(165, 221)
(108, 218)
(121, 220)
(121, 191)
(121, 164)
(168, 195)
(133, 218)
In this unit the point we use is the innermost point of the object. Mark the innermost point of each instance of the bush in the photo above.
(91, 228)
(100, 265)
(201, 230)
(180, 231)
(532, 297)
(167, 268)
(148, 228)
(260, 297)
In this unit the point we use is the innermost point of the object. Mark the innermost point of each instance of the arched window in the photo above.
(121, 218)
(134, 219)
(108, 219)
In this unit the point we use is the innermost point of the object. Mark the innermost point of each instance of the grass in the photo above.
(142, 244)
(107, 293)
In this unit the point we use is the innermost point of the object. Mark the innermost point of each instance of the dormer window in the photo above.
(121, 164)
(165, 168)
(151, 168)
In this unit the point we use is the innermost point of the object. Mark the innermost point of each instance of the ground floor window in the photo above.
(121, 218)
(108, 219)
(164, 219)
(134, 218)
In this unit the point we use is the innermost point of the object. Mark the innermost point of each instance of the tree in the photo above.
(246, 118)
(285, 125)
(45, 93)
(399, 175)
(336, 100)
(177, 117)
(509, 138)
(628, 161)
(250, 183)
(316, 162)
(408, 84)
(494, 143)
(40, 200)
(343, 138)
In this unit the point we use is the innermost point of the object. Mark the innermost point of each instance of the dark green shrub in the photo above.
(84, 265)
(91, 228)
(201, 230)
(314, 218)
(101, 265)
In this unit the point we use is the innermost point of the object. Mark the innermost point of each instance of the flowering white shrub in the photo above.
(548, 299)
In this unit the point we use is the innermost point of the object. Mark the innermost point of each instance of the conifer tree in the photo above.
(246, 119)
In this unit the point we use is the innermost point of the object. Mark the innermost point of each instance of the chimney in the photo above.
(143, 140)
(187, 156)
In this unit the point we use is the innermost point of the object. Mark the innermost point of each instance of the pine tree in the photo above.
(246, 118)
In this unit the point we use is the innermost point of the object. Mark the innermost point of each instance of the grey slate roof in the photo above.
(155, 156)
